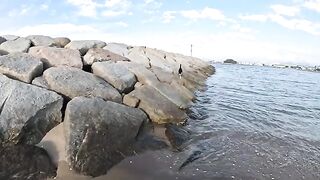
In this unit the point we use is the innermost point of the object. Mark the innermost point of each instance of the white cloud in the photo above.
(44, 7)
(87, 8)
(168, 16)
(206, 13)
(116, 8)
(122, 24)
(312, 4)
(255, 17)
(285, 10)
(111, 13)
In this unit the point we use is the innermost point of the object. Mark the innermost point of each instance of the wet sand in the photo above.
(145, 166)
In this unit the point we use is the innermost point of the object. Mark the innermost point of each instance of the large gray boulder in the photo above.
(25, 162)
(73, 82)
(52, 56)
(159, 108)
(99, 55)
(40, 40)
(18, 45)
(115, 74)
(84, 45)
(98, 132)
(10, 37)
(27, 112)
(118, 48)
(61, 41)
(21, 66)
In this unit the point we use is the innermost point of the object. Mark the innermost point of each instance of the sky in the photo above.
(256, 31)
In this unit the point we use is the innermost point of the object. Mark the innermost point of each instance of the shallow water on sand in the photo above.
(250, 123)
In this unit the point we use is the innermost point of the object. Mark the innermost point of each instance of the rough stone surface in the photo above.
(159, 108)
(18, 45)
(40, 40)
(118, 48)
(84, 45)
(117, 75)
(52, 56)
(27, 112)
(97, 131)
(10, 37)
(21, 66)
(39, 81)
(73, 82)
(25, 162)
(61, 41)
(99, 55)
(131, 101)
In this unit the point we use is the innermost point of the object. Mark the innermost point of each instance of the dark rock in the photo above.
(98, 133)
(25, 162)
(177, 135)
(230, 61)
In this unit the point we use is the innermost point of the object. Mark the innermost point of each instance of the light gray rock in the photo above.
(39, 81)
(2, 39)
(131, 101)
(61, 41)
(137, 55)
(18, 45)
(159, 108)
(52, 56)
(21, 66)
(99, 55)
(73, 82)
(98, 133)
(118, 48)
(40, 40)
(115, 74)
(10, 37)
(84, 45)
(27, 112)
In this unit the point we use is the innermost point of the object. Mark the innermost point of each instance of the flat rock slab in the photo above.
(18, 45)
(52, 56)
(10, 37)
(21, 66)
(118, 48)
(97, 132)
(61, 41)
(40, 40)
(159, 108)
(27, 112)
(84, 45)
(25, 162)
(73, 82)
(115, 74)
(100, 55)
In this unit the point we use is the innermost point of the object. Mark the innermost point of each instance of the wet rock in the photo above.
(100, 55)
(2, 39)
(27, 112)
(52, 56)
(21, 66)
(25, 162)
(10, 37)
(40, 40)
(159, 108)
(177, 135)
(18, 45)
(73, 82)
(131, 101)
(97, 132)
(115, 74)
(84, 45)
(61, 41)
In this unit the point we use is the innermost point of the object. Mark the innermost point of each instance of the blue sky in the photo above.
(282, 31)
